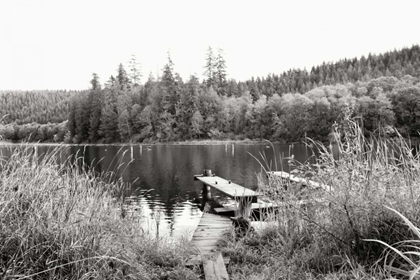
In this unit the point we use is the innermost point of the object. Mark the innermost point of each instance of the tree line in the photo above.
(35, 116)
(383, 91)
(22, 107)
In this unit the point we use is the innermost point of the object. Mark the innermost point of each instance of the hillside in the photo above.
(34, 115)
(35, 106)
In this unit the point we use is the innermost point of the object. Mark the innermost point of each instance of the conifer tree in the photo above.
(122, 78)
(96, 85)
(108, 128)
(96, 99)
(220, 74)
(209, 68)
(135, 71)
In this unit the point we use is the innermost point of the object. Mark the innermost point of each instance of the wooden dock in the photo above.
(227, 187)
(212, 226)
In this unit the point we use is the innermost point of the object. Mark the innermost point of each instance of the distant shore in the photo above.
(175, 143)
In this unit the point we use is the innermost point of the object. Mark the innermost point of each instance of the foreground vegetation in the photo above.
(340, 233)
(59, 222)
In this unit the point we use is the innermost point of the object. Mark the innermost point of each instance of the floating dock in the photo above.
(299, 180)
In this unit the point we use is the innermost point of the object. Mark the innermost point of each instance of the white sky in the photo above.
(55, 44)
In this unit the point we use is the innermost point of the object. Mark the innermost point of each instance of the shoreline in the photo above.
(175, 143)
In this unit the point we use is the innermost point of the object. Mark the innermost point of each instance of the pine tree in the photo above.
(210, 71)
(122, 78)
(82, 117)
(96, 85)
(135, 71)
(170, 87)
(96, 99)
(108, 128)
(220, 74)
(72, 119)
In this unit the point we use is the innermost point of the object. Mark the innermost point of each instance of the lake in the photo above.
(161, 177)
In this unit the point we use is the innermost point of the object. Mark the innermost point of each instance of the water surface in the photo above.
(161, 177)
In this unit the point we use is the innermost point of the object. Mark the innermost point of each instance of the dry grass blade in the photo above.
(398, 252)
(414, 229)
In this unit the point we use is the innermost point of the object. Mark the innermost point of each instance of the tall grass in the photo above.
(368, 175)
(58, 221)
(403, 258)
(322, 231)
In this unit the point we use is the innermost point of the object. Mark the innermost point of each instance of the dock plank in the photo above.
(209, 231)
(226, 186)
(214, 267)
(300, 180)
(198, 260)
(254, 206)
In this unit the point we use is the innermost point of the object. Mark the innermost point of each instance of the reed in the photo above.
(402, 259)
(322, 233)
(59, 221)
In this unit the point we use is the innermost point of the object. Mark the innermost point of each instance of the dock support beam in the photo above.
(206, 189)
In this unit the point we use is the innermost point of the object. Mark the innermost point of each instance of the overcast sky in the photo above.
(53, 44)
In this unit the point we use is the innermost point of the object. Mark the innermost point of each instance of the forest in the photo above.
(381, 91)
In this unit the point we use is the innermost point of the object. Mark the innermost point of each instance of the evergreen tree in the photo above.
(170, 83)
(220, 74)
(72, 119)
(82, 118)
(96, 100)
(209, 68)
(108, 128)
(135, 71)
(96, 85)
(122, 78)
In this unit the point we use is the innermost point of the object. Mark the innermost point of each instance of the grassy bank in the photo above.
(59, 222)
(330, 236)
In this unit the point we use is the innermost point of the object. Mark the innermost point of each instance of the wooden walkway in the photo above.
(227, 187)
(205, 239)
(209, 232)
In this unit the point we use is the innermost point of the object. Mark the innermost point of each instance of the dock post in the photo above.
(206, 189)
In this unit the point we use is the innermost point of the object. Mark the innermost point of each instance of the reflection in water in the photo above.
(161, 177)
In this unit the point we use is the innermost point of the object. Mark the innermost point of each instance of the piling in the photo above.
(206, 188)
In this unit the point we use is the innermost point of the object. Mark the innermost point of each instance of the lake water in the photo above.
(162, 176)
